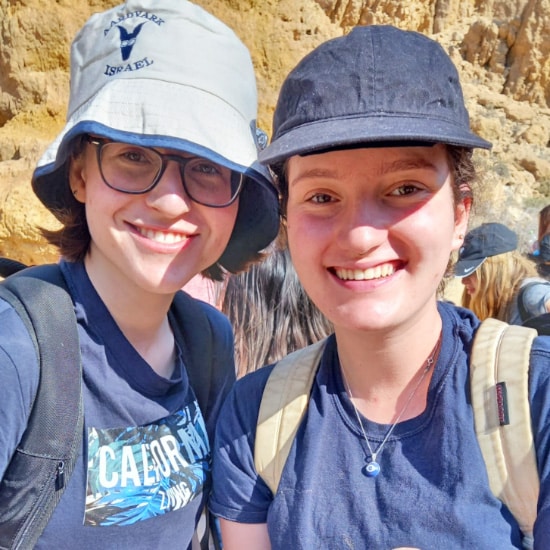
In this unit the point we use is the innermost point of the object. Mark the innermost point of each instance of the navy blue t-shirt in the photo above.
(144, 472)
(432, 491)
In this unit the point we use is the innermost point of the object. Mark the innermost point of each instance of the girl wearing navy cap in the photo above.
(373, 154)
(499, 281)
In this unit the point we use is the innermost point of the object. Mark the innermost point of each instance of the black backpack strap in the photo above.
(197, 334)
(9, 267)
(39, 470)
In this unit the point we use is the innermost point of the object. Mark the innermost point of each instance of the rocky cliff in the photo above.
(501, 48)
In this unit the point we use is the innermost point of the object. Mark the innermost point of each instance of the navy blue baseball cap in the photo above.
(378, 84)
(489, 239)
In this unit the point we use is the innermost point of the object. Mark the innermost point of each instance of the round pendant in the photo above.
(372, 469)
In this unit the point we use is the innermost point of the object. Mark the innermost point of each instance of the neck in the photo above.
(143, 319)
(389, 374)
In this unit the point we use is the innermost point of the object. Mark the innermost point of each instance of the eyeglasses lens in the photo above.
(134, 169)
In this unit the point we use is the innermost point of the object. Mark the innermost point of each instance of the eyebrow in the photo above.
(408, 164)
(401, 165)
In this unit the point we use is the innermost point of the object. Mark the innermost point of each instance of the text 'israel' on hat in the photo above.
(166, 73)
(489, 239)
(377, 84)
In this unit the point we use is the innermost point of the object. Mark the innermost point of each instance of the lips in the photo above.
(378, 272)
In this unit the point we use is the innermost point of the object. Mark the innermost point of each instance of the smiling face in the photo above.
(156, 241)
(371, 230)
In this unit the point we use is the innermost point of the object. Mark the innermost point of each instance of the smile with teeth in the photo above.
(378, 272)
(164, 237)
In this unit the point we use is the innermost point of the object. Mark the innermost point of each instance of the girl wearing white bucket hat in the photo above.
(154, 179)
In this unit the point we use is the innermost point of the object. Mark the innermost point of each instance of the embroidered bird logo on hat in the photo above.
(127, 40)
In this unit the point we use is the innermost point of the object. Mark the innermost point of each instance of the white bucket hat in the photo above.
(166, 73)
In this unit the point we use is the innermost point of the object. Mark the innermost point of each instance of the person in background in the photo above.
(499, 281)
(154, 179)
(541, 247)
(542, 260)
(544, 225)
(270, 312)
(372, 150)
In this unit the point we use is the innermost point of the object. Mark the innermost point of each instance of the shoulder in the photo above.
(15, 339)
(540, 354)
(186, 305)
(246, 394)
(534, 293)
(198, 318)
(459, 319)
(19, 378)
(534, 285)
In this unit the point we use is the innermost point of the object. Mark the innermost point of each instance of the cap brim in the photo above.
(337, 132)
(464, 268)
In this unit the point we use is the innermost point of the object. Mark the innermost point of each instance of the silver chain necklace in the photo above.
(372, 467)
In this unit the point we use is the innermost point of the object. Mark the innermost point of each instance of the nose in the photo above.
(363, 228)
(169, 194)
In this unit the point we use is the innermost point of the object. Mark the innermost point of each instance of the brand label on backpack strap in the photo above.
(502, 404)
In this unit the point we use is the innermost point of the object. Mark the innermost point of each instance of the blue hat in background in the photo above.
(378, 84)
(489, 239)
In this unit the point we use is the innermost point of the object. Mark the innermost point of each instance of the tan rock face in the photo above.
(501, 48)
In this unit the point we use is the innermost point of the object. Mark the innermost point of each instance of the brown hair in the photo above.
(270, 312)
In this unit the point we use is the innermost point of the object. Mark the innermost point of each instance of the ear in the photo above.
(462, 216)
(78, 177)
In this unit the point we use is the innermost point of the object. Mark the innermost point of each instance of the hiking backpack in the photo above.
(499, 372)
(39, 471)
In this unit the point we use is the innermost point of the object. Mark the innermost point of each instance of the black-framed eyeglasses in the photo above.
(136, 170)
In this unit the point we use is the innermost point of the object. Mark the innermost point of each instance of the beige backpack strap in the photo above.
(283, 406)
(499, 375)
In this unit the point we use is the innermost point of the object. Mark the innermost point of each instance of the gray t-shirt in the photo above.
(534, 292)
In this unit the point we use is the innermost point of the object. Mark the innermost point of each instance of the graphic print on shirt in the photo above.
(140, 472)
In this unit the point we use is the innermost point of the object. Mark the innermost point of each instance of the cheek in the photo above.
(304, 234)
(470, 282)
(222, 222)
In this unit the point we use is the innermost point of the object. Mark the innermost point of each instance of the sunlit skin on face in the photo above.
(470, 283)
(154, 242)
(371, 231)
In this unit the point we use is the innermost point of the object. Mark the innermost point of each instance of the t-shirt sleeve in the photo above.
(18, 381)
(539, 395)
(238, 493)
(534, 298)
